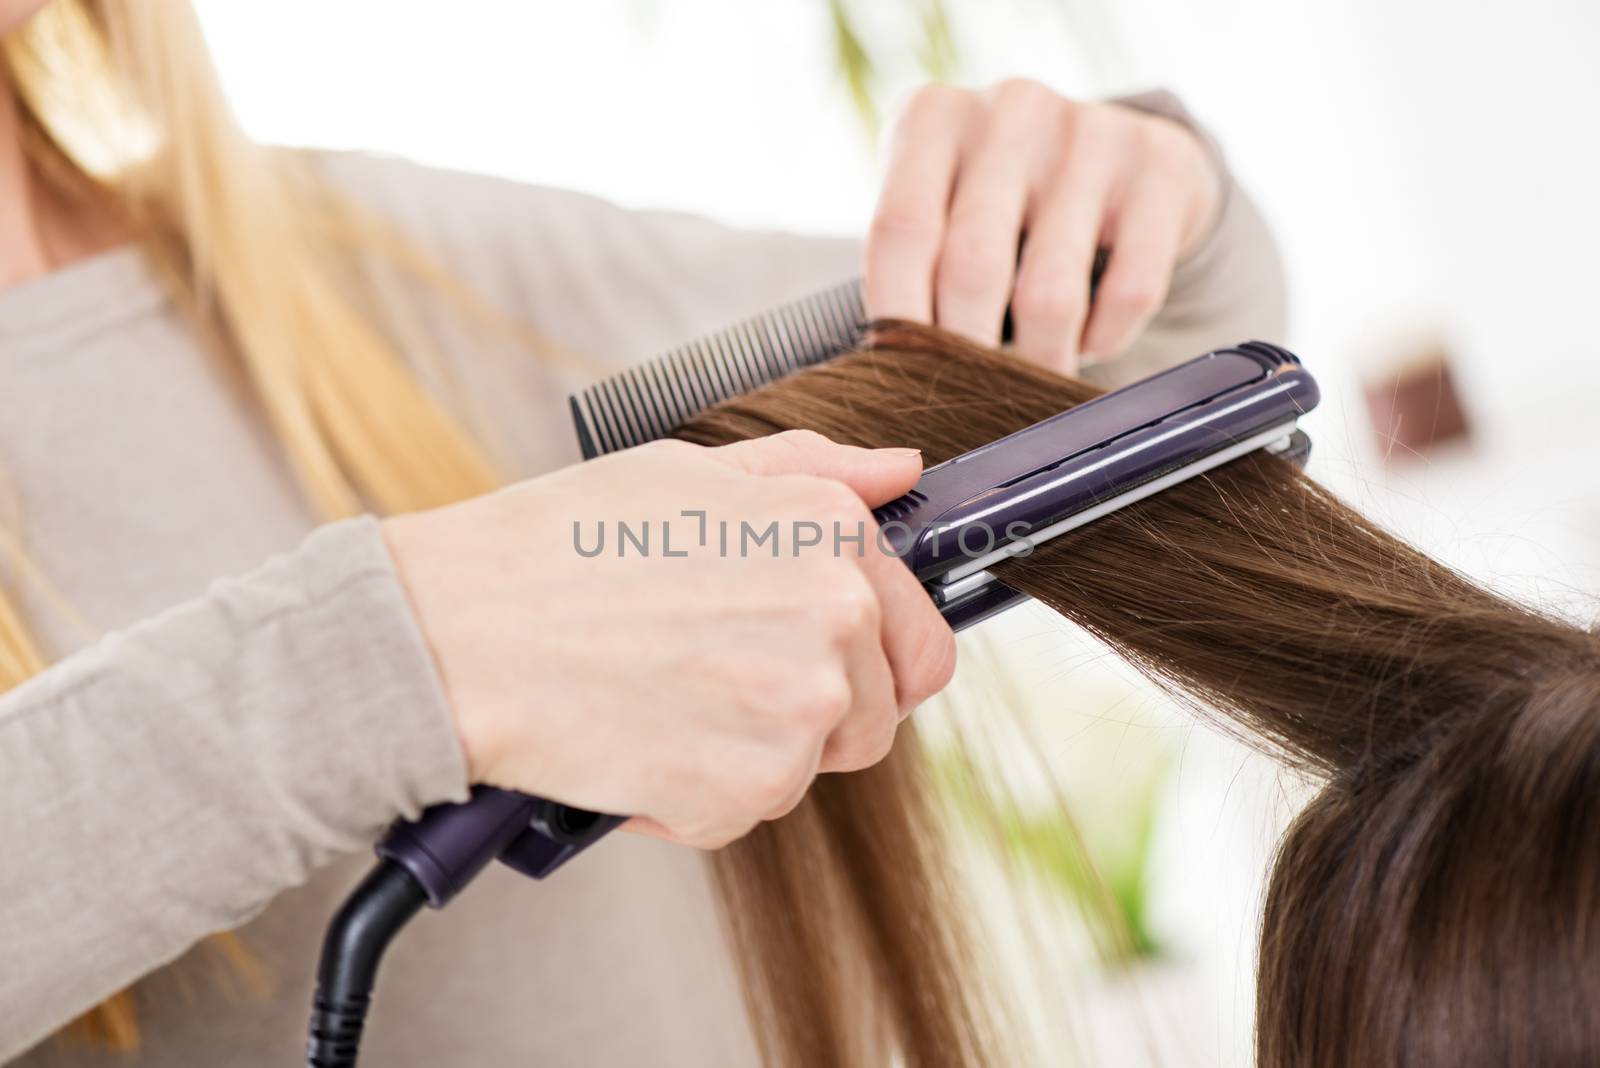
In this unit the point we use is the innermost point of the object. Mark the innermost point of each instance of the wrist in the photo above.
(422, 563)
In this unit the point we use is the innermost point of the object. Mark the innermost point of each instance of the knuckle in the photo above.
(667, 448)
(1048, 295)
(1136, 294)
(824, 701)
(1023, 94)
(764, 783)
(721, 835)
(786, 806)
(696, 839)
(931, 667)
(973, 265)
(879, 742)
(802, 441)
(1093, 121)
(695, 835)
(932, 102)
(841, 512)
(896, 223)
(1166, 146)
(818, 498)
(974, 246)
(803, 702)
(849, 755)
(852, 606)
(835, 499)
(866, 745)
(781, 805)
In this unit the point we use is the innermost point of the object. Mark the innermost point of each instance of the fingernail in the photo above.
(902, 452)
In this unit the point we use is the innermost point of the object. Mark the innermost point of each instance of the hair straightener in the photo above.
(964, 515)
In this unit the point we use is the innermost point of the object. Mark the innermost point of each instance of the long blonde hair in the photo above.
(120, 111)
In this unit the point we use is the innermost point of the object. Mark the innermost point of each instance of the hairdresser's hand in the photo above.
(699, 692)
(971, 173)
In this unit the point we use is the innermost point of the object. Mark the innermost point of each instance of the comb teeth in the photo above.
(651, 400)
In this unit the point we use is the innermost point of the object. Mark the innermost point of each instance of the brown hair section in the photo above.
(1437, 903)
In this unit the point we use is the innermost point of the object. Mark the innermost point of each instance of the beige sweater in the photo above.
(263, 705)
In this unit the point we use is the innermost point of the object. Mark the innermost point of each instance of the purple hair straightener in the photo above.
(995, 502)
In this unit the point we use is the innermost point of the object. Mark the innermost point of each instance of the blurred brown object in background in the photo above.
(1413, 402)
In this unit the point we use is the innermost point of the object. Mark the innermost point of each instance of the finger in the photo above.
(798, 794)
(864, 736)
(875, 475)
(979, 257)
(917, 643)
(1051, 298)
(908, 224)
(978, 261)
(1146, 235)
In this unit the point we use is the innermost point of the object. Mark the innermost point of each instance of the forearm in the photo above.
(168, 781)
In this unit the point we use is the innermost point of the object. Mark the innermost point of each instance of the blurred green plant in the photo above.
(1093, 867)
(866, 32)
(1063, 784)
(935, 50)
(1104, 873)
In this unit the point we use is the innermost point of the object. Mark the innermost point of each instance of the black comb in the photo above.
(652, 399)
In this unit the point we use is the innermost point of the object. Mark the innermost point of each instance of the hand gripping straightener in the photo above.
(964, 515)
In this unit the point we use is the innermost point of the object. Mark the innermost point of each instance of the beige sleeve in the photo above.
(169, 780)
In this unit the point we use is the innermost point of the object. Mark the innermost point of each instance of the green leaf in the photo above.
(937, 54)
(855, 64)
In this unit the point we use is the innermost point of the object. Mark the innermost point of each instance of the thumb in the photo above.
(876, 475)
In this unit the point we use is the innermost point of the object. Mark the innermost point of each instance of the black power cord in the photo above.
(427, 862)
(375, 911)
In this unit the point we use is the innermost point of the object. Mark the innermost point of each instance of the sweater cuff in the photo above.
(388, 717)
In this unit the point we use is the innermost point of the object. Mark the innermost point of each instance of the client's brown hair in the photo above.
(1436, 904)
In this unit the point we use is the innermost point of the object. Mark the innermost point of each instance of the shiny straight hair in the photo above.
(1437, 904)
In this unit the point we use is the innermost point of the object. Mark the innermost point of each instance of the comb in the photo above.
(650, 400)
